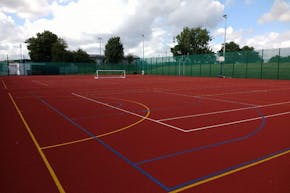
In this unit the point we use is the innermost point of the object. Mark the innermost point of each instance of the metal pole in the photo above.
(100, 39)
(225, 39)
(20, 46)
(143, 44)
(143, 53)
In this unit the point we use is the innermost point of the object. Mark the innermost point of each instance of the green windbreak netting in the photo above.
(263, 64)
(77, 68)
(3, 68)
(129, 68)
(61, 68)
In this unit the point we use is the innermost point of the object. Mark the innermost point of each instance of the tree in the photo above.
(58, 50)
(48, 47)
(235, 54)
(40, 48)
(130, 58)
(114, 51)
(277, 58)
(192, 41)
(81, 56)
(230, 47)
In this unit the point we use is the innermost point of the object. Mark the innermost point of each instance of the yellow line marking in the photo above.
(4, 85)
(229, 172)
(42, 155)
(106, 134)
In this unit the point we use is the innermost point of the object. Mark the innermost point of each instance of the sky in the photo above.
(88, 24)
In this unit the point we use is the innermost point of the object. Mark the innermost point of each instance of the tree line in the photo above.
(48, 47)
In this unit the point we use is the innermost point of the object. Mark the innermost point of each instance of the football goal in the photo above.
(110, 74)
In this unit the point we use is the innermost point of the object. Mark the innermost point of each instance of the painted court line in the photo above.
(39, 82)
(205, 97)
(128, 112)
(247, 92)
(42, 155)
(104, 134)
(4, 85)
(107, 146)
(212, 145)
(228, 171)
(224, 111)
(237, 122)
(229, 93)
(177, 128)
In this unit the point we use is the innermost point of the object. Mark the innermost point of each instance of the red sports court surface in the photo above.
(144, 134)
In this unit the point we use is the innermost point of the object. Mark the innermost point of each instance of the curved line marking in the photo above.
(109, 133)
(212, 145)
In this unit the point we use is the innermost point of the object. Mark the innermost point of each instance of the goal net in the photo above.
(110, 74)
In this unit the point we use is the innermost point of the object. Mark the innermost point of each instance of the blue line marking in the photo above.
(226, 170)
(261, 126)
(134, 165)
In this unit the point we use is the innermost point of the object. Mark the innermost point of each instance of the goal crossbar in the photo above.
(110, 74)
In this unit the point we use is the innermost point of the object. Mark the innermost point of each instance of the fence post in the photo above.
(191, 66)
(247, 62)
(199, 68)
(278, 70)
(210, 66)
(233, 70)
(262, 61)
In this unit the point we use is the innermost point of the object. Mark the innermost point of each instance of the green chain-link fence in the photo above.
(263, 64)
(3, 68)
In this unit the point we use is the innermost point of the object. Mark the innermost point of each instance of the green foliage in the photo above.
(81, 56)
(231, 47)
(48, 47)
(192, 41)
(40, 48)
(114, 51)
(58, 50)
(130, 58)
(280, 59)
(235, 54)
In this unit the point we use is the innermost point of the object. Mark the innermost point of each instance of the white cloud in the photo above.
(270, 40)
(9, 43)
(26, 9)
(81, 22)
(264, 41)
(280, 11)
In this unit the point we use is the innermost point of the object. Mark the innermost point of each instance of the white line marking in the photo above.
(236, 122)
(224, 111)
(201, 97)
(129, 112)
(39, 82)
(228, 93)
(177, 128)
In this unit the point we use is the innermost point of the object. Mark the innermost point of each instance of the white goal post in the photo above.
(110, 74)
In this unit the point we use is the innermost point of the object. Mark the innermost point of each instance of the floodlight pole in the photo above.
(100, 39)
(143, 44)
(224, 50)
(20, 47)
(143, 52)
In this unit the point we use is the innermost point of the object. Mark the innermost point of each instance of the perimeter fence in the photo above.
(261, 64)
(4, 68)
